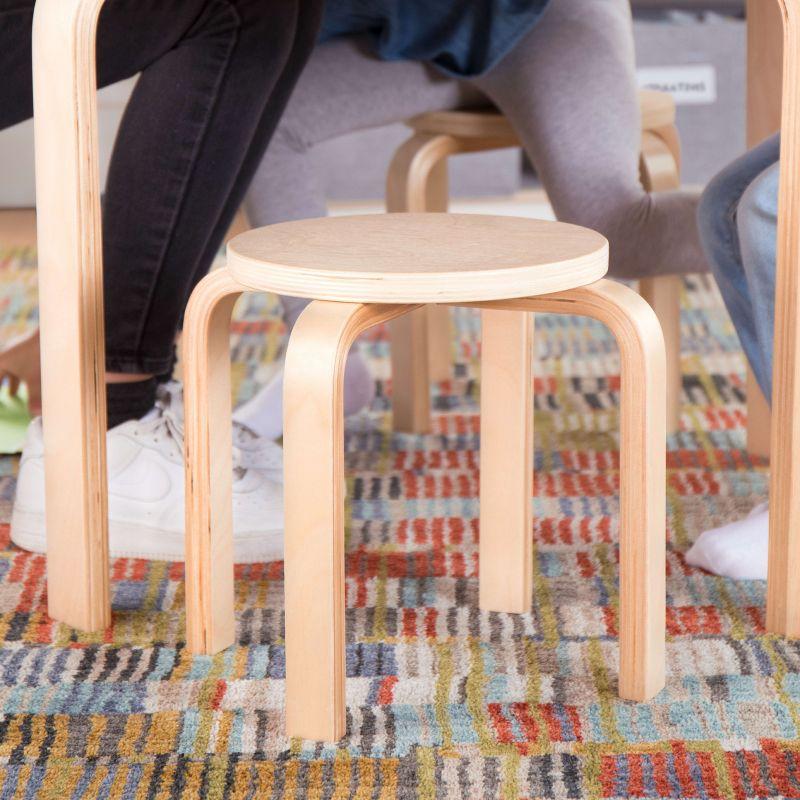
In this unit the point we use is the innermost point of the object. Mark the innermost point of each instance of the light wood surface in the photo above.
(657, 110)
(418, 258)
(411, 386)
(314, 508)
(506, 477)
(17, 228)
(764, 81)
(440, 343)
(783, 587)
(642, 522)
(208, 462)
(660, 171)
(417, 181)
(764, 69)
(759, 418)
(71, 311)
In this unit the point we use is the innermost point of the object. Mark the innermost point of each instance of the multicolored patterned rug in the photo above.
(443, 701)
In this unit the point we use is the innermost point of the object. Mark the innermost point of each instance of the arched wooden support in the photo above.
(505, 499)
(783, 588)
(208, 462)
(71, 311)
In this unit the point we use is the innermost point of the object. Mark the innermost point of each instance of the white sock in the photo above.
(737, 550)
(263, 413)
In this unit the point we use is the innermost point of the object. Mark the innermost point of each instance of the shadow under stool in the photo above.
(362, 271)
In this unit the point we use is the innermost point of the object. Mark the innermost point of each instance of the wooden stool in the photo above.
(361, 271)
(417, 181)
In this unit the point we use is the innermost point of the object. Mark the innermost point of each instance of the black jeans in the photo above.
(215, 77)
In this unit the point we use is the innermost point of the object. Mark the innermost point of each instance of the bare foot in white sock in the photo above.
(19, 363)
(737, 550)
(263, 413)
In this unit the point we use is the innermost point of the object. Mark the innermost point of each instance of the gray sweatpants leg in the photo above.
(568, 87)
(342, 89)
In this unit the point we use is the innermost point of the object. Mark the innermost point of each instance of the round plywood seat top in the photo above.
(418, 258)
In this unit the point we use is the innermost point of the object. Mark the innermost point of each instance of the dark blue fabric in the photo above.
(463, 38)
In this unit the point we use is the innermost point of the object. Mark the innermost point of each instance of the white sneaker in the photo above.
(254, 451)
(263, 413)
(146, 496)
(737, 550)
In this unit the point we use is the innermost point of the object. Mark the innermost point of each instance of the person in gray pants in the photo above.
(562, 72)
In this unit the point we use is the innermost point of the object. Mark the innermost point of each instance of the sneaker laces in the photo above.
(167, 427)
(245, 440)
(163, 427)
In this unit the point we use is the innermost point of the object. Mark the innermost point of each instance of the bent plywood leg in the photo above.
(417, 181)
(660, 171)
(506, 569)
(314, 508)
(71, 311)
(759, 417)
(642, 612)
(663, 293)
(208, 463)
(411, 392)
(440, 339)
(783, 588)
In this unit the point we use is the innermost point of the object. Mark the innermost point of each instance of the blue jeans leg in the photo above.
(757, 222)
(718, 219)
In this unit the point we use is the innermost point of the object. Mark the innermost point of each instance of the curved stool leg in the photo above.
(506, 477)
(642, 472)
(314, 508)
(71, 305)
(663, 294)
(783, 589)
(759, 416)
(660, 165)
(421, 341)
(208, 458)
(411, 385)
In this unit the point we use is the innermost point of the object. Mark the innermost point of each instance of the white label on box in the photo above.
(689, 84)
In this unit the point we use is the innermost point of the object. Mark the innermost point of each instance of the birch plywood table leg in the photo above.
(783, 587)
(506, 477)
(420, 342)
(642, 578)
(314, 539)
(660, 164)
(208, 460)
(71, 311)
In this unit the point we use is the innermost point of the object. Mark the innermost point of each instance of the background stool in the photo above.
(361, 271)
(417, 181)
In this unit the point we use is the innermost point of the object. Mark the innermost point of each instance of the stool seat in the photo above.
(418, 258)
(657, 110)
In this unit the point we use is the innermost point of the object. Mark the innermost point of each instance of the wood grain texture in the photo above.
(417, 181)
(657, 110)
(783, 588)
(506, 477)
(71, 311)
(17, 228)
(759, 418)
(642, 602)
(411, 386)
(440, 343)
(660, 171)
(314, 507)
(418, 258)
(764, 82)
(208, 457)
